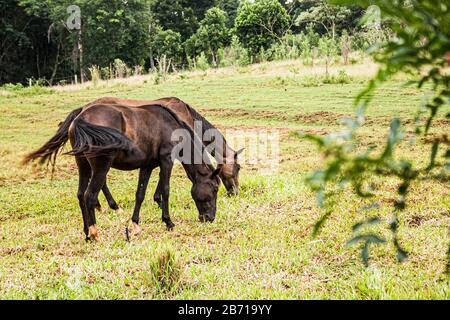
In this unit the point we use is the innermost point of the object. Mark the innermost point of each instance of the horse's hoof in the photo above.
(120, 211)
(93, 233)
(170, 225)
(136, 229)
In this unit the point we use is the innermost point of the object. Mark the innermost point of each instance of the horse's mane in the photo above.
(206, 125)
(184, 125)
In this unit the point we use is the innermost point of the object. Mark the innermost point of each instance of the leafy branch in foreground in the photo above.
(421, 49)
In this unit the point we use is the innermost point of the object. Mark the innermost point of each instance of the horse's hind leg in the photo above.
(157, 197)
(100, 167)
(84, 174)
(144, 177)
(109, 198)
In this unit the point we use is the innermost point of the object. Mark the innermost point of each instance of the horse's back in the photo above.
(103, 115)
(173, 103)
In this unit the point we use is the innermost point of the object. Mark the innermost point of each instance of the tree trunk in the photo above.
(333, 30)
(55, 68)
(214, 58)
(152, 63)
(80, 49)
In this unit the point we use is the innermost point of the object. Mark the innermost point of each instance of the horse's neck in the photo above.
(192, 170)
(226, 150)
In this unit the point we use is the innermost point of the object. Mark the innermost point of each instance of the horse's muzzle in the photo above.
(206, 217)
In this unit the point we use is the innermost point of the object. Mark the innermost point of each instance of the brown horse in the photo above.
(230, 167)
(124, 138)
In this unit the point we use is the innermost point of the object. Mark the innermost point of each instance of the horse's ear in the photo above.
(238, 152)
(216, 172)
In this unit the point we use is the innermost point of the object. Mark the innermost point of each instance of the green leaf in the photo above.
(434, 150)
(318, 225)
(370, 221)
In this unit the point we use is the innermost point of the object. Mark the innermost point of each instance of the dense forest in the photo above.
(42, 43)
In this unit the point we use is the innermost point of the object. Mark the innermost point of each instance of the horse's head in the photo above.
(204, 192)
(230, 174)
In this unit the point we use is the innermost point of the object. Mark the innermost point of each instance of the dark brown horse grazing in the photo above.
(230, 167)
(117, 136)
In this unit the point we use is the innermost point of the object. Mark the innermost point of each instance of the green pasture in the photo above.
(261, 244)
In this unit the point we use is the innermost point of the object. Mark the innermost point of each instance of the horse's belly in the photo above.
(127, 162)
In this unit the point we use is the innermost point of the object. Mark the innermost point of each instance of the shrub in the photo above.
(12, 87)
(202, 62)
(244, 58)
(165, 269)
(120, 68)
(95, 75)
(107, 73)
(343, 77)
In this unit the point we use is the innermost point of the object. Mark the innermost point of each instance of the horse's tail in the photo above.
(90, 140)
(49, 151)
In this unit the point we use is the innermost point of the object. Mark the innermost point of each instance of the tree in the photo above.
(168, 43)
(231, 9)
(115, 29)
(181, 16)
(328, 49)
(260, 23)
(110, 29)
(420, 48)
(27, 47)
(326, 15)
(211, 35)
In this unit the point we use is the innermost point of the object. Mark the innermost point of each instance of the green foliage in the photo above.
(24, 43)
(341, 78)
(181, 16)
(327, 48)
(113, 30)
(231, 9)
(110, 29)
(211, 35)
(95, 74)
(326, 15)
(201, 62)
(235, 54)
(168, 43)
(261, 23)
(120, 68)
(140, 32)
(420, 48)
(20, 90)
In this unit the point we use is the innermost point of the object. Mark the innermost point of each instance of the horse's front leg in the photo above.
(164, 180)
(144, 177)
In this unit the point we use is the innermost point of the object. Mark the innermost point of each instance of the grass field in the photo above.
(260, 245)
